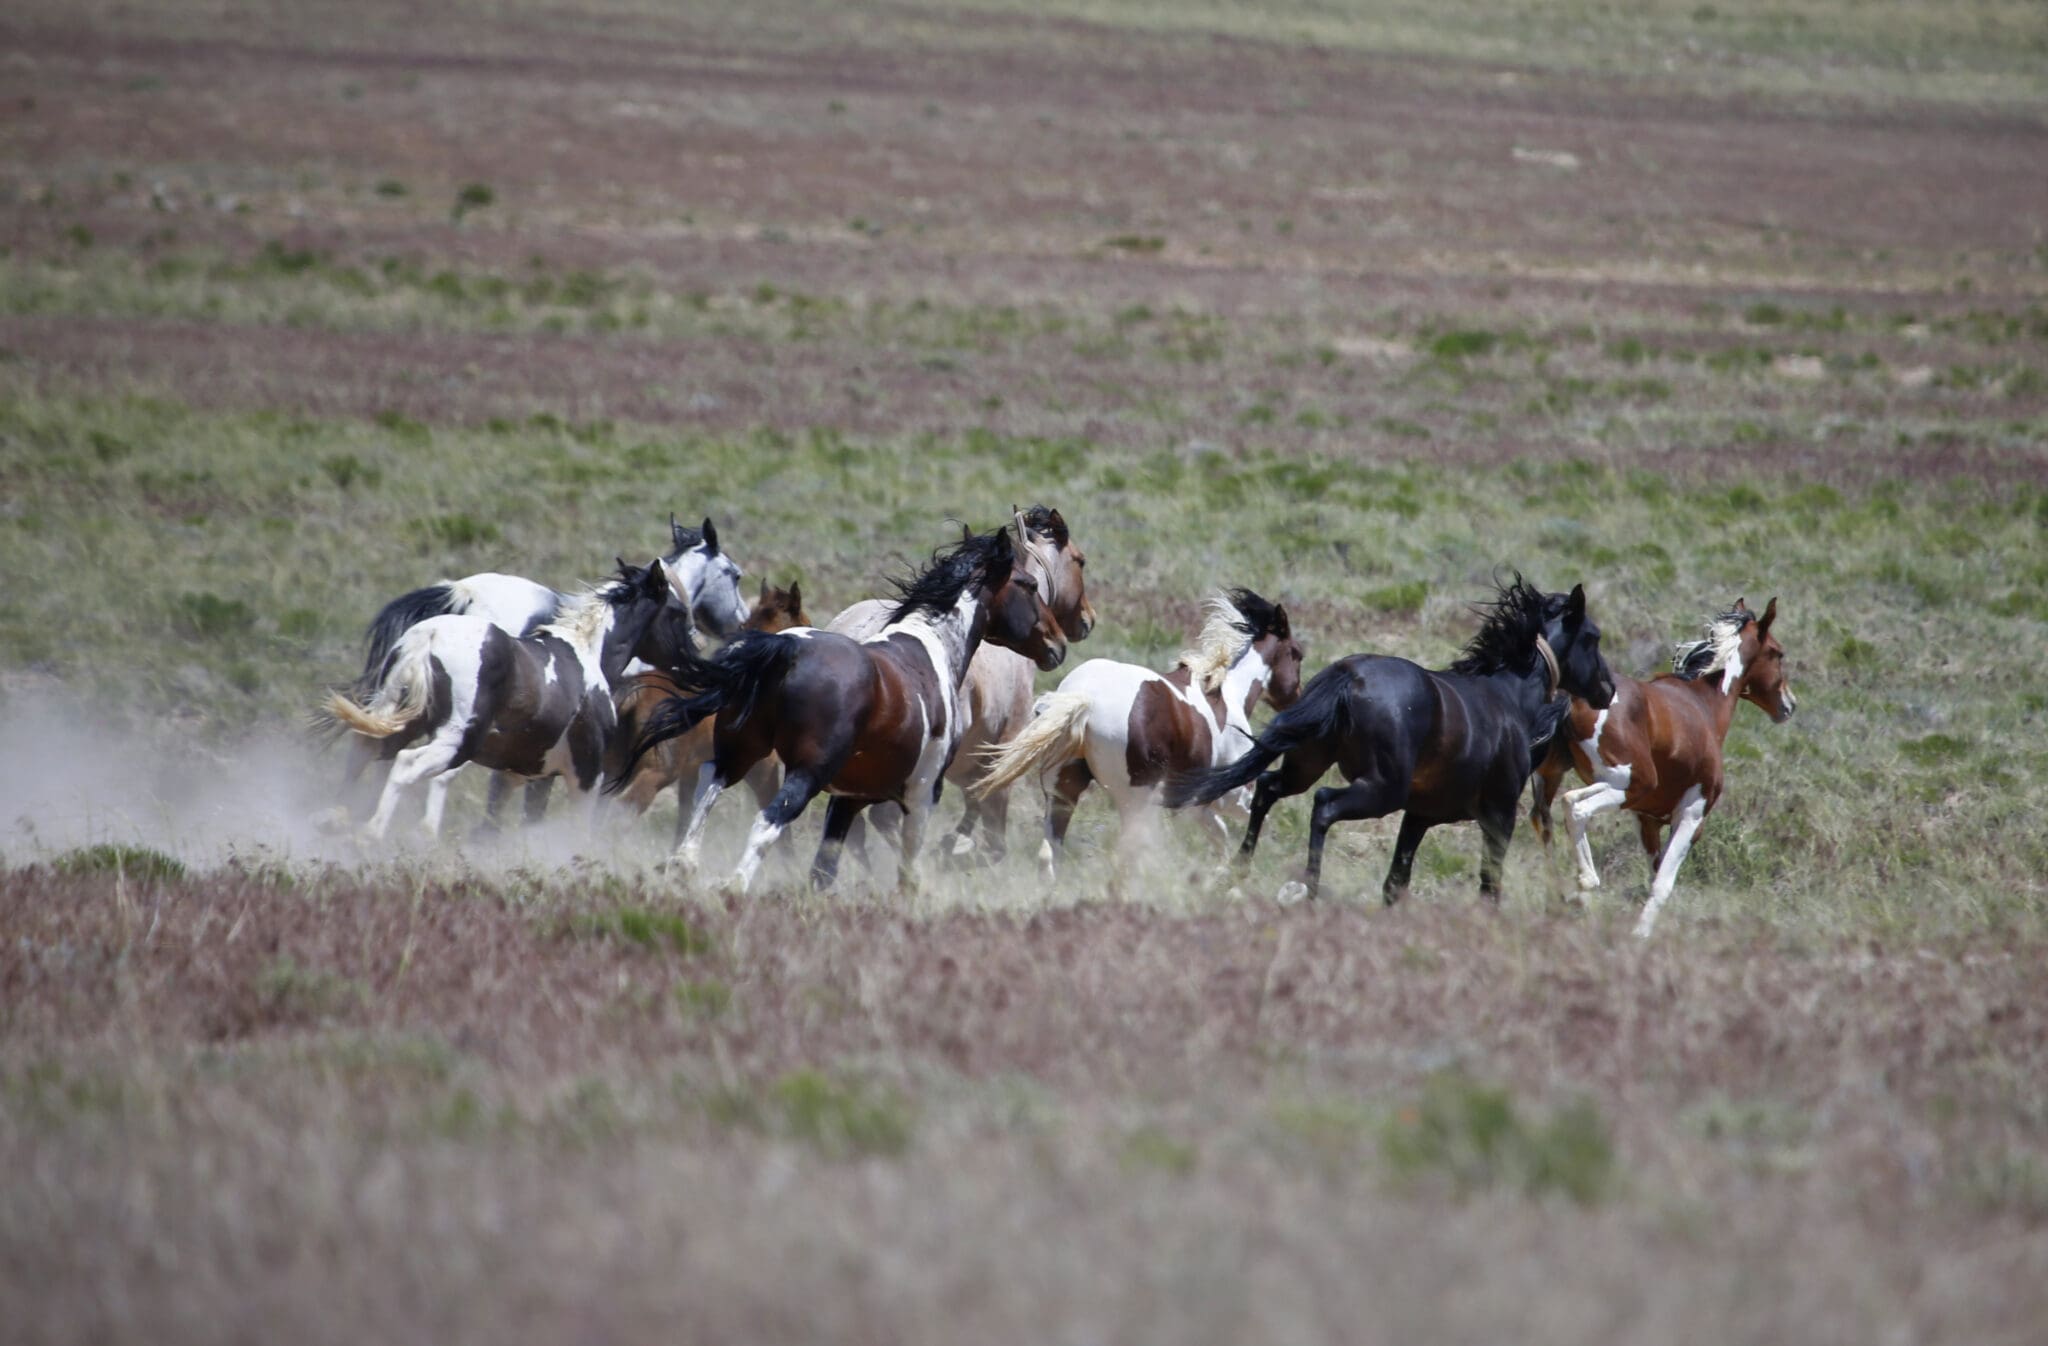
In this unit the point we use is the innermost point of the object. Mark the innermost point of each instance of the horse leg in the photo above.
(437, 800)
(1297, 771)
(917, 811)
(1496, 830)
(1651, 830)
(1405, 845)
(1336, 804)
(432, 758)
(961, 844)
(1580, 806)
(496, 790)
(537, 799)
(697, 811)
(798, 789)
(839, 816)
(1069, 783)
(1542, 794)
(1685, 825)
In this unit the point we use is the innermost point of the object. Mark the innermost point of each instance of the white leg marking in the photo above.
(706, 794)
(437, 801)
(759, 840)
(1579, 806)
(1692, 809)
(408, 769)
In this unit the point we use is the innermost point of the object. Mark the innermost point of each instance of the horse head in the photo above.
(706, 577)
(778, 609)
(1283, 655)
(1059, 566)
(637, 595)
(1574, 641)
(1765, 683)
(1018, 618)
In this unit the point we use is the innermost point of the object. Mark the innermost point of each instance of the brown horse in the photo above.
(1657, 750)
(678, 759)
(999, 681)
(864, 721)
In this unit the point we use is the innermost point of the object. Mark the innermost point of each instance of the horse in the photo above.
(1130, 729)
(998, 680)
(706, 577)
(678, 759)
(1445, 746)
(1656, 750)
(536, 706)
(864, 721)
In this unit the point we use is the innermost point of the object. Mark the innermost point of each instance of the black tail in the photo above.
(1319, 714)
(734, 679)
(398, 616)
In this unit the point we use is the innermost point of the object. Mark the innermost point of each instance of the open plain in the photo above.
(304, 305)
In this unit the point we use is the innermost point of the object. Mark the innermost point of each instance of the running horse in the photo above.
(1438, 747)
(1656, 751)
(1130, 729)
(865, 721)
(999, 681)
(679, 758)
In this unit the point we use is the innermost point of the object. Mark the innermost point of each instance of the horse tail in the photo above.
(733, 679)
(1318, 714)
(393, 620)
(1057, 733)
(400, 700)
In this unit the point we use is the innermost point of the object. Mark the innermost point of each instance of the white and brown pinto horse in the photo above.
(865, 721)
(1130, 729)
(459, 688)
(1656, 751)
(999, 681)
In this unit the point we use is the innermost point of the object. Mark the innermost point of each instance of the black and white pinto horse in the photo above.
(1449, 746)
(707, 579)
(458, 688)
(866, 721)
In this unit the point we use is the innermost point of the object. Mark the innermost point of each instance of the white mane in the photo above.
(1217, 647)
(1720, 647)
(585, 617)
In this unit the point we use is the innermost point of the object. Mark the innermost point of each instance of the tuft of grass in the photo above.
(290, 992)
(135, 862)
(1473, 1136)
(1150, 1148)
(1464, 342)
(211, 617)
(1142, 243)
(472, 196)
(840, 1117)
(1403, 599)
(647, 929)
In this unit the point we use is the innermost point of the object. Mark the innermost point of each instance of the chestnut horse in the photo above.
(1438, 747)
(998, 681)
(865, 721)
(1129, 728)
(678, 759)
(1656, 751)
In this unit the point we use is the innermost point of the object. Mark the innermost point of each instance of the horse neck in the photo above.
(1718, 695)
(958, 631)
(1243, 684)
(1528, 690)
(669, 637)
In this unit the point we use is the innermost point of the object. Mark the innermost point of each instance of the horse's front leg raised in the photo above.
(1581, 806)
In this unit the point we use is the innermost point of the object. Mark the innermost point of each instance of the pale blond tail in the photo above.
(1056, 734)
(399, 702)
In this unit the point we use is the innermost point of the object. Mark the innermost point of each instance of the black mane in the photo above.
(938, 586)
(1697, 656)
(1256, 618)
(683, 539)
(1508, 629)
(1046, 522)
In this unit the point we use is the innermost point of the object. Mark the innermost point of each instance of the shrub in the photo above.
(1473, 1135)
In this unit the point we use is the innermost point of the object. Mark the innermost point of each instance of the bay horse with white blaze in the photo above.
(1656, 750)
(1130, 729)
(999, 681)
(535, 706)
(1446, 746)
(863, 721)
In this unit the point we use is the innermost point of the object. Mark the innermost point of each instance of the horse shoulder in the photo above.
(998, 692)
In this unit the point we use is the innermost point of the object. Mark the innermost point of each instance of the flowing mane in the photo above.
(1508, 629)
(1236, 618)
(585, 616)
(1716, 650)
(938, 586)
(1045, 522)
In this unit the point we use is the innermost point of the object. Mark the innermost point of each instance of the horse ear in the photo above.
(1763, 625)
(710, 536)
(1575, 602)
(675, 530)
(796, 596)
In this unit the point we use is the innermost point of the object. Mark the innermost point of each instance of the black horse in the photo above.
(1445, 747)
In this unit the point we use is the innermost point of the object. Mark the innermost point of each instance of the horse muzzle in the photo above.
(1051, 657)
(1787, 703)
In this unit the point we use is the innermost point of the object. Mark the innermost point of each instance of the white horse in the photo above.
(458, 688)
(1131, 730)
(999, 681)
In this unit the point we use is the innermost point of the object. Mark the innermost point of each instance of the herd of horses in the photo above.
(612, 691)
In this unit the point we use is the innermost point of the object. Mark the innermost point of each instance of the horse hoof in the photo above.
(1291, 892)
(1589, 884)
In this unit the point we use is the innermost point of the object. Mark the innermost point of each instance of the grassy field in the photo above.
(1351, 304)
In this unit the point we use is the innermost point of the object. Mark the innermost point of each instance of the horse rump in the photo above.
(734, 679)
(391, 623)
(1318, 714)
(1056, 734)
